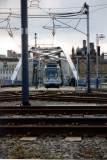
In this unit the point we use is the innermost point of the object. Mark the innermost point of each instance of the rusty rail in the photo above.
(65, 110)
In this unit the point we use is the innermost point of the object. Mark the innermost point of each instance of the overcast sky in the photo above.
(66, 36)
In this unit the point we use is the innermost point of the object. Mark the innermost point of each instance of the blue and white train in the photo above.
(52, 76)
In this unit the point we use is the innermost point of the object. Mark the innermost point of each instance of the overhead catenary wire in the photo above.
(60, 16)
(49, 14)
(53, 16)
(63, 15)
(53, 8)
(97, 9)
(77, 23)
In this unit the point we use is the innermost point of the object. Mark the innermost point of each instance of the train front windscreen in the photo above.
(52, 72)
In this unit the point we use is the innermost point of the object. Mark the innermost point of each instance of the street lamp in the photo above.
(98, 37)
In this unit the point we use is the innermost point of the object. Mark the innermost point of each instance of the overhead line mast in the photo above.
(24, 41)
(88, 48)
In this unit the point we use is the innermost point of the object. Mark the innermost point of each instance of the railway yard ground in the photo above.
(59, 123)
(53, 96)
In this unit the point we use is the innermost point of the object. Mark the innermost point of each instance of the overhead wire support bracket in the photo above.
(69, 15)
(77, 23)
(71, 27)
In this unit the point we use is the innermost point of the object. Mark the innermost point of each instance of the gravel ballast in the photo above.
(54, 147)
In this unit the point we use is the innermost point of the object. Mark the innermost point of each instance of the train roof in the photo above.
(52, 65)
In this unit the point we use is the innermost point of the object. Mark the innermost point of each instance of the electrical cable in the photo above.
(77, 23)
(97, 9)
(50, 8)
(3, 20)
(99, 5)
(63, 15)
(34, 4)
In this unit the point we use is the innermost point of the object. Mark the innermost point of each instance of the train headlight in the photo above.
(46, 80)
(57, 80)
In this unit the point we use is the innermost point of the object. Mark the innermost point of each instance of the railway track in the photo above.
(64, 110)
(55, 121)
(57, 125)
(50, 130)
(44, 129)
(58, 96)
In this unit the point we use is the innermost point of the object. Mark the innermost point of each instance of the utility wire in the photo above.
(77, 23)
(57, 14)
(53, 16)
(50, 8)
(98, 5)
(97, 9)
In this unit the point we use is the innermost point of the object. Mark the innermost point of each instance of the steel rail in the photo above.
(54, 121)
(71, 99)
(70, 125)
(68, 110)
(60, 93)
(83, 100)
(53, 107)
(47, 93)
(53, 130)
(56, 96)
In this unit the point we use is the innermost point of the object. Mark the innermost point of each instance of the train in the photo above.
(52, 75)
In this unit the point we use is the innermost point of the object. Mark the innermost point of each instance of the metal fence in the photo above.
(9, 83)
(4, 83)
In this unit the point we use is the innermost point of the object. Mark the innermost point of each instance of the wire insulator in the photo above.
(53, 33)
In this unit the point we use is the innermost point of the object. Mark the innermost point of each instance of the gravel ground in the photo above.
(53, 116)
(54, 147)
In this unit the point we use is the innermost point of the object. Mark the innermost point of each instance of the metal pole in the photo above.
(77, 71)
(24, 41)
(75, 84)
(39, 70)
(35, 40)
(88, 49)
(97, 43)
(36, 78)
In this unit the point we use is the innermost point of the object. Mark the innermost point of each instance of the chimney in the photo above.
(84, 43)
(92, 46)
(102, 55)
(72, 51)
(98, 50)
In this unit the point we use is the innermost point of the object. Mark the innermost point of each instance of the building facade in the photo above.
(81, 56)
(7, 66)
(13, 54)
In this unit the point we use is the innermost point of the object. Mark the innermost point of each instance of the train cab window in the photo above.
(50, 72)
